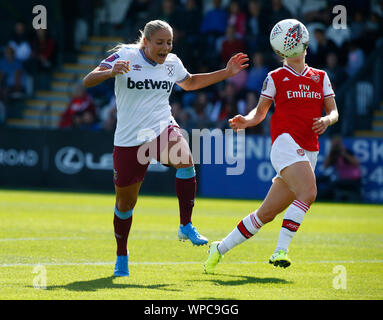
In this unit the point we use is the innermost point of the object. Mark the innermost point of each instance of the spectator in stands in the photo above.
(228, 110)
(189, 31)
(355, 59)
(231, 45)
(208, 5)
(334, 71)
(257, 73)
(108, 115)
(339, 36)
(215, 20)
(214, 24)
(180, 115)
(77, 120)
(237, 18)
(324, 46)
(89, 121)
(198, 118)
(345, 182)
(373, 31)
(239, 81)
(139, 12)
(3, 113)
(357, 26)
(43, 50)
(170, 14)
(20, 42)
(215, 109)
(12, 80)
(111, 121)
(80, 102)
(278, 13)
(256, 34)
(314, 10)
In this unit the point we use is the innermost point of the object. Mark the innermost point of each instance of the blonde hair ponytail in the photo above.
(150, 28)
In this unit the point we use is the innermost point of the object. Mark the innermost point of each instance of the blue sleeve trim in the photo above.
(102, 64)
(186, 77)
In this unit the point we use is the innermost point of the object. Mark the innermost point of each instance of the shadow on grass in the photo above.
(107, 283)
(243, 280)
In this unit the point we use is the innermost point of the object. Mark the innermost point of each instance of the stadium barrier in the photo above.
(83, 160)
(68, 159)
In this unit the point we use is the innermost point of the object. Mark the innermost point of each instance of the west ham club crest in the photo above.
(170, 69)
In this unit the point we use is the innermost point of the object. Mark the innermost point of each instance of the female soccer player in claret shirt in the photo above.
(145, 73)
(300, 93)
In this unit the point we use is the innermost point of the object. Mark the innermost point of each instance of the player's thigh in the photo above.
(177, 154)
(278, 198)
(300, 178)
(126, 197)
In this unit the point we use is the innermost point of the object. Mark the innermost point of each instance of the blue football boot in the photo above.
(189, 232)
(121, 268)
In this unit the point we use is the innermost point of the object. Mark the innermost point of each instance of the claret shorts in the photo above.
(129, 168)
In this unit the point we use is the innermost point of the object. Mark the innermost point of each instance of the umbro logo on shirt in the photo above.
(286, 79)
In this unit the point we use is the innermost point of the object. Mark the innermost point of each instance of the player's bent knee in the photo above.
(308, 195)
(126, 205)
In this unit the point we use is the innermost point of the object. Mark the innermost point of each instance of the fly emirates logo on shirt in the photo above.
(304, 92)
(150, 84)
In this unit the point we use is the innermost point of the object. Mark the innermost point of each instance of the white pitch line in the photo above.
(42, 239)
(106, 263)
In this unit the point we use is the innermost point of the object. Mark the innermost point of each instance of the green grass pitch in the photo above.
(336, 254)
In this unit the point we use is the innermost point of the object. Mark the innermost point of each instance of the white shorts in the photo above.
(285, 151)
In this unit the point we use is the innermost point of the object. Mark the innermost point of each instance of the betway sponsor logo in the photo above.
(150, 84)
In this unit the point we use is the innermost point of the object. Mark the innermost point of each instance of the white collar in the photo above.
(305, 70)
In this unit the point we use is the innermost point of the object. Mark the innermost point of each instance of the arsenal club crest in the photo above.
(301, 152)
(170, 69)
(315, 77)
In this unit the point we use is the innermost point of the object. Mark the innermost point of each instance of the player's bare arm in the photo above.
(101, 73)
(235, 65)
(321, 124)
(255, 116)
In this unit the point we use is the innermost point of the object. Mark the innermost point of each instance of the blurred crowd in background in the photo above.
(206, 35)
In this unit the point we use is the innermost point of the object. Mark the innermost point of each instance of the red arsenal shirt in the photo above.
(298, 98)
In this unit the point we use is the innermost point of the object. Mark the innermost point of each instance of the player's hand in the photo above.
(320, 125)
(238, 123)
(237, 63)
(120, 67)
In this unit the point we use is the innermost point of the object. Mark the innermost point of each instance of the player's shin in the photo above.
(245, 229)
(122, 222)
(186, 186)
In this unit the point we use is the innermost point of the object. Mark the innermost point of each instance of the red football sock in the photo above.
(121, 233)
(186, 192)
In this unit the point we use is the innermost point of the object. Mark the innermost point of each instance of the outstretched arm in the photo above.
(197, 81)
(255, 116)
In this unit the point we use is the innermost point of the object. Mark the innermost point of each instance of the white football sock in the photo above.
(248, 227)
(291, 222)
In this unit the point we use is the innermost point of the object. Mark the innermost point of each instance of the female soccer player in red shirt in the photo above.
(144, 74)
(300, 93)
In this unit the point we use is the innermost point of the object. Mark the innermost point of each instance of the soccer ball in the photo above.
(289, 38)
